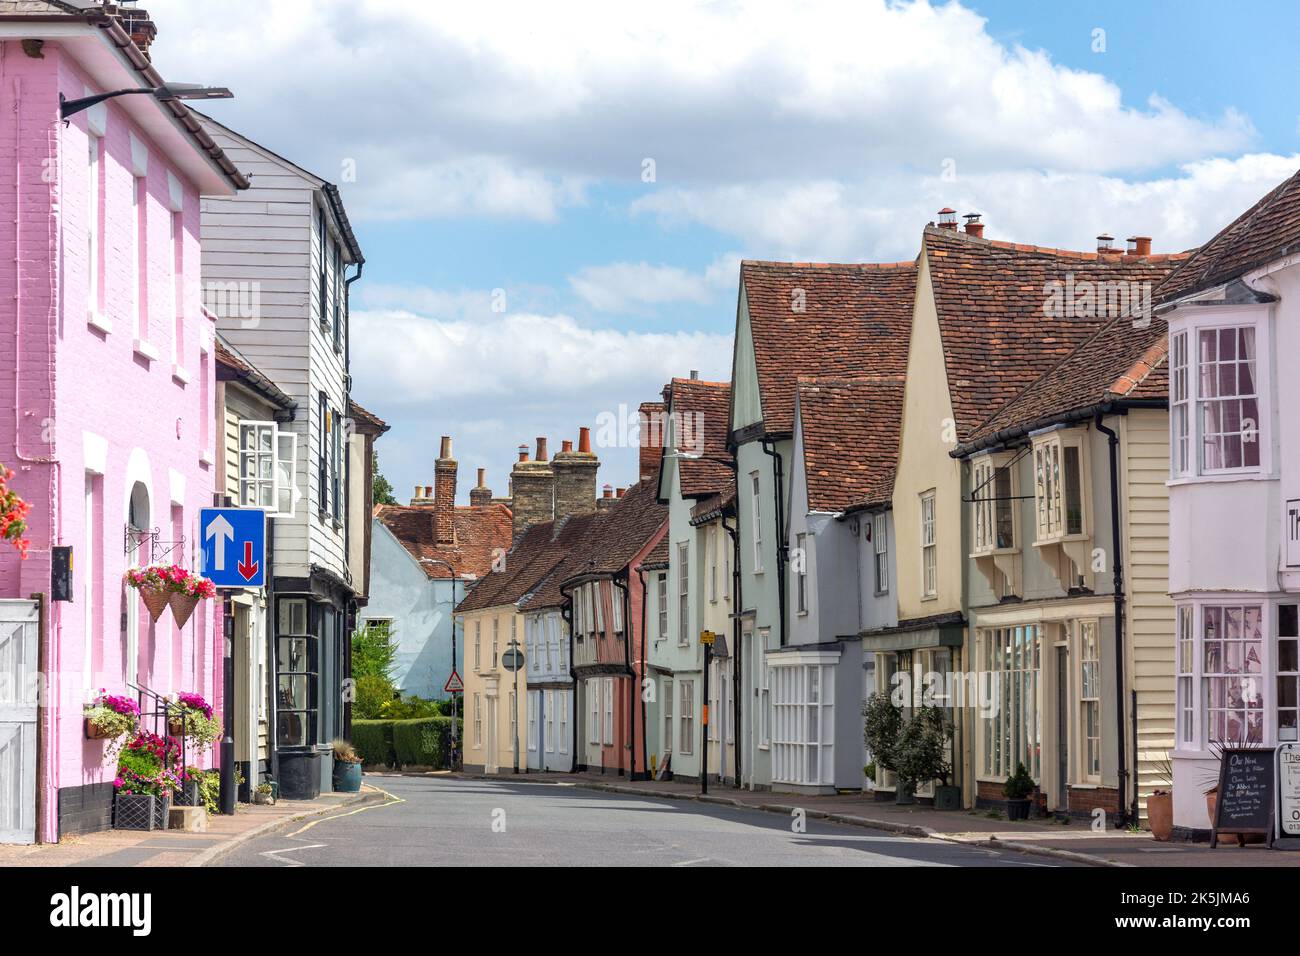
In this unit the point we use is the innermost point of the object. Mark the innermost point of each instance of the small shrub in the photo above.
(881, 728)
(1019, 785)
(344, 752)
(372, 693)
(373, 742)
(409, 708)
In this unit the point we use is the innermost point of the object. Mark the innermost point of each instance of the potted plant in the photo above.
(1160, 804)
(13, 514)
(264, 793)
(185, 591)
(882, 724)
(146, 780)
(925, 754)
(1017, 789)
(347, 768)
(154, 587)
(192, 717)
(109, 717)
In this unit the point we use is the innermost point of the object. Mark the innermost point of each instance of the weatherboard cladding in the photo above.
(992, 304)
(832, 320)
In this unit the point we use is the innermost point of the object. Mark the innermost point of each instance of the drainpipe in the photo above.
(737, 684)
(566, 612)
(1118, 564)
(769, 449)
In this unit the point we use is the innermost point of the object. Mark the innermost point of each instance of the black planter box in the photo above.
(189, 795)
(1018, 809)
(140, 812)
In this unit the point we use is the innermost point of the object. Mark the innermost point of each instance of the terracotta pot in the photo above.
(155, 600)
(1160, 814)
(183, 606)
(96, 732)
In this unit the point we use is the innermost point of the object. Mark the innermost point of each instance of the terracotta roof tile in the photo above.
(850, 431)
(992, 301)
(703, 411)
(480, 533)
(1268, 230)
(856, 321)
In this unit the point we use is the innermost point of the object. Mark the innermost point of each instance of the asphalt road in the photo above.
(450, 822)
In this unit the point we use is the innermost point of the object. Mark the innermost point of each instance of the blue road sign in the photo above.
(234, 546)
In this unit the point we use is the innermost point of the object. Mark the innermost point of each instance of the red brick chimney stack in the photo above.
(444, 495)
(575, 478)
(651, 415)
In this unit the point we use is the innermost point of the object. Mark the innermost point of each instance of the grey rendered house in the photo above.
(792, 319)
(277, 263)
(694, 592)
(841, 571)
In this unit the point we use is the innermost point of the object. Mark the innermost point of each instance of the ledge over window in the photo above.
(145, 350)
(99, 322)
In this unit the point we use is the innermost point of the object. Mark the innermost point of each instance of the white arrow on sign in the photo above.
(220, 529)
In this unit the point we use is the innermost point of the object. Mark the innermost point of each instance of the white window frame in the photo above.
(756, 495)
(1089, 744)
(711, 560)
(1010, 660)
(478, 646)
(563, 740)
(1201, 401)
(94, 225)
(686, 715)
(683, 594)
(763, 683)
(880, 544)
(139, 265)
(496, 642)
(1180, 406)
(661, 597)
(666, 690)
(594, 691)
(533, 698)
(803, 721)
(598, 600)
(929, 547)
(1185, 664)
(608, 690)
(175, 296)
(548, 717)
(1049, 457)
(993, 484)
(478, 721)
(801, 575)
(280, 453)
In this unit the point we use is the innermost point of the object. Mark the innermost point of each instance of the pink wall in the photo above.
(87, 402)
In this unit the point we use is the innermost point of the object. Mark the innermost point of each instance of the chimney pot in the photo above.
(541, 448)
(1105, 243)
(973, 225)
(1140, 246)
(947, 218)
(609, 491)
(584, 440)
(482, 472)
(428, 491)
(523, 452)
(620, 492)
(695, 375)
(445, 451)
(566, 446)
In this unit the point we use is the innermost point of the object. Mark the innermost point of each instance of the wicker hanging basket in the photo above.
(155, 600)
(183, 606)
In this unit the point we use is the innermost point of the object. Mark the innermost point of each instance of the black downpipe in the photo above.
(1117, 561)
(736, 666)
(566, 612)
(272, 617)
(782, 548)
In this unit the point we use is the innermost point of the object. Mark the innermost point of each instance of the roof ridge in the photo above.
(1116, 258)
(694, 381)
(771, 263)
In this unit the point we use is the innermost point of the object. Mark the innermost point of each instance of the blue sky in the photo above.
(500, 150)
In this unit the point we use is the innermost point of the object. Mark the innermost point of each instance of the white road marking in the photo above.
(275, 854)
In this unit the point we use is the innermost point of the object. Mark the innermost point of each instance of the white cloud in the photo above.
(630, 286)
(514, 109)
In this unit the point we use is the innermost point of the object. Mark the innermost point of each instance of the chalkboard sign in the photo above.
(1245, 801)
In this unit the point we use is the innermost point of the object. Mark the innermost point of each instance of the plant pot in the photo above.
(1160, 814)
(947, 798)
(1018, 809)
(96, 732)
(905, 793)
(347, 777)
(140, 812)
(268, 799)
(182, 606)
(189, 795)
(155, 601)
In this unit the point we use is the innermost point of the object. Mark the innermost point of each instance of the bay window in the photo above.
(1012, 732)
(757, 511)
(593, 711)
(803, 722)
(1216, 399)
(1288, 671)
(994, 520)
(1179, 406)
(666, 691)
(1186, 676)
(1232, 673)
(609, 710)
(1060, 501)
(661, 600)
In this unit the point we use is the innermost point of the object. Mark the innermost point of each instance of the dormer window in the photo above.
(1215, 400)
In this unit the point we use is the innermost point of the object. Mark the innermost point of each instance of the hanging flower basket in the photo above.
(183, 606)
(95, 732)
(155, 601)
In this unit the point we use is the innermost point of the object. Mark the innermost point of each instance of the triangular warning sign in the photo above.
(454, 684)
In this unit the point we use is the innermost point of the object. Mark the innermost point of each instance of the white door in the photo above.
(19, 642)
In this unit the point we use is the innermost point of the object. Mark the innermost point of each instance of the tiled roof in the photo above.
(658, 556)
(1120, 362)
(992, 301)
(231, 366)
(540, 550)
(856, 320)
(356, 411)
(1268, 230)
(707, 508)
(609, 544)
(480, 532)
(702, 411)
(850, 433)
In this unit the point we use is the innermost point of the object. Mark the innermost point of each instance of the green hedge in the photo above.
(373, 740)
(423, 742)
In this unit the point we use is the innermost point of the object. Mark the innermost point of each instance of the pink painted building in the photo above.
(106, 390)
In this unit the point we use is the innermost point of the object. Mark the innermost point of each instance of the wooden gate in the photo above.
(19, 647)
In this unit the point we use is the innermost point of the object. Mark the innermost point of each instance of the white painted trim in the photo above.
(97, 321)
(175, 193)
(180, 373)
(138, 470)
(139, 157)
(176, 484)
(145, 350)
(94, 453)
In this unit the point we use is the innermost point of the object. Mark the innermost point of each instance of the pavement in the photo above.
(441, 820)
(128, 848)
(1075, 842)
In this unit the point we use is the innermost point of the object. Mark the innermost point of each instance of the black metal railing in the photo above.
(162, 711)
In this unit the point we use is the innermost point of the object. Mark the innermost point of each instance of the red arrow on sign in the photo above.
(248, 567)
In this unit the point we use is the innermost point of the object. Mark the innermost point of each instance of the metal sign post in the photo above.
(513, 660)
(706, 638)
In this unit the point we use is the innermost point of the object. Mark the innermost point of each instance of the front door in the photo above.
(19, 644)
(1062, 727)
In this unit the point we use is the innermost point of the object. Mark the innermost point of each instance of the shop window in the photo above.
(1012, 733)
(297, 669)
(1288, 671)
(1231, 676)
